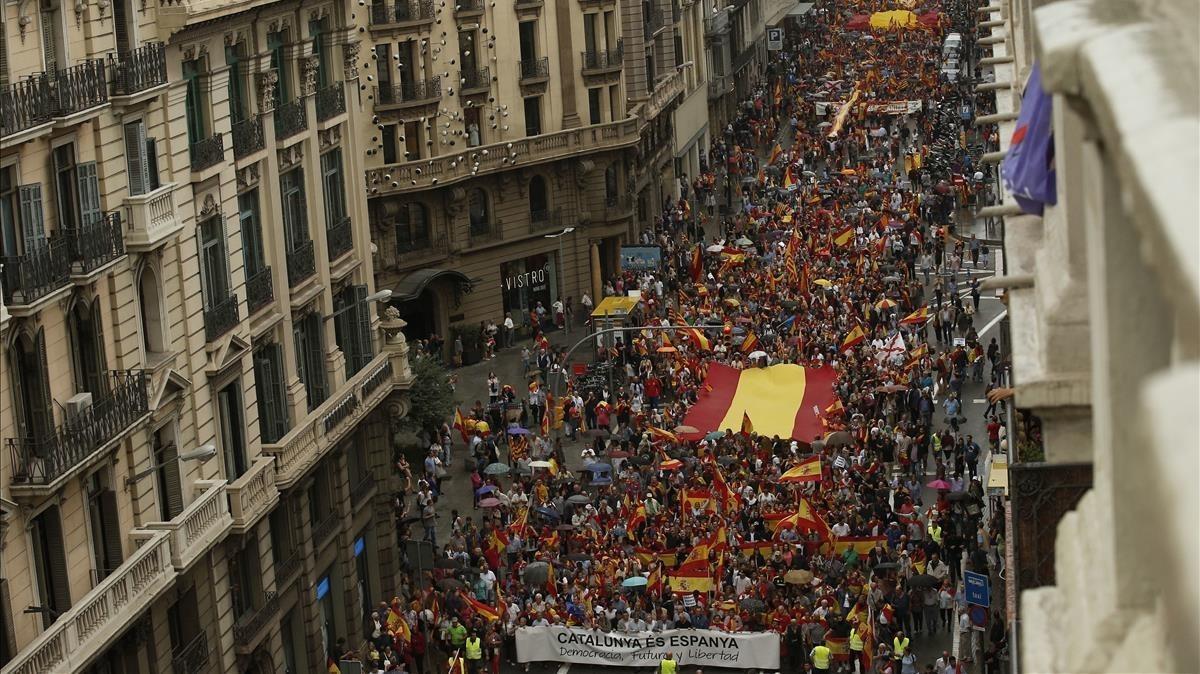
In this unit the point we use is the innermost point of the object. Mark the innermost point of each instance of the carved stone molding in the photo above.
(311, 63)
(210, 206)
(248, 177)
(268, 80)
(330, 137)
(290, 156)
(350, 60)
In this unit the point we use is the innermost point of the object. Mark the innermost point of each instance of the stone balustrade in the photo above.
(151, 219)
(253, 495)
(202, 524)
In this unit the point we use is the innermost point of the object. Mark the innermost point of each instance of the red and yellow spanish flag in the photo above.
(686, 582)
(789, 180)
(857, 336)
(547, 415)
(485, 611)
(697, 336)
(804, 518)
(917, 317)
(775, 152)
(654, 583)
(808, 470)
(786, 399)
(696, 266)
(663, 434)
(726, 497)
(460, 423)
(697, 499)
(747, 426)
(750, 343)
(844, 237)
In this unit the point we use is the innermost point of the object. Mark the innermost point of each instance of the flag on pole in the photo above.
(917, 317)
(844, 237)
(696, 267)
(750, 343)
(747, 426)
(855, 337)
(808, 470)
(460, 423)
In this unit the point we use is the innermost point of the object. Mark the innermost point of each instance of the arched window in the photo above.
(412, 227)
(480, 213)
(610, 184)
(150, 305)
(539, 210)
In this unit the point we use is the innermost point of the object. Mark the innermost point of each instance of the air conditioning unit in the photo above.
(78, 404)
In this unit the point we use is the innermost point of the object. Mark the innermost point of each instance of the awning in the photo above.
(615, 306)
(801, 9)
(411, 286)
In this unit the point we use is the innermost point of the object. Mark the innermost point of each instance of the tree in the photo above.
(431, 399)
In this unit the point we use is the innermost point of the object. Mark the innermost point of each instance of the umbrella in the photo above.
(753, 605)
(539, 464)
(824, 283)
(448, 563)
(489, 503)
(579, 499)
(837, 438)
(666, 349)
(684, 428)
(885, 304)
(939, 485)
(496, 469)
(744, 242)
(725, 460)
(714, 435)
(520, 469)
(486, 489)
(959, 496)
(536, 573)
(638, 460)
(634, 581)
(618, 454)
(849, 172)
(670, 464)
(598, 468)
(597, 433)
(715, 248)
(547, 511)
(822, 125)
(891, 388)
(758, 354)
(449, 584)
(887, 566)
(797, 577)
(922, 580)
(517, 430)
(565, 526)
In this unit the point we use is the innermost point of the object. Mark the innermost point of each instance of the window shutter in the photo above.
(48, 42)
(270, 403)
(169, 480)
(42, 414)
(152, 163)
(3, 67)
(301, 344)
(362, 332)
(100, 372)
(89, 193)
(275, 356)
(135, 157)
(32, 224)
(112, 532)
(341, 329)
(57, 561)
(316, 359)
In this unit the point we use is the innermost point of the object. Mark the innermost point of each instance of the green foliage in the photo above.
(431, 398)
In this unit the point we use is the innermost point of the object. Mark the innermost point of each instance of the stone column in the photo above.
(566, 63)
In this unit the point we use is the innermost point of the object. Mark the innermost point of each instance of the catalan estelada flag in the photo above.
(808, 470)
(785, 400)
(917, 317)
(855, 337)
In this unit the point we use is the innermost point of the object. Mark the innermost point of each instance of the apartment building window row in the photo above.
(260, 289)
(231, 418)
(165, 451)
(141, 158)
(104, 525)
(339, 235)
(352, 327)
(308, 333)
(300, 262)
(270, 386)
(220, 304)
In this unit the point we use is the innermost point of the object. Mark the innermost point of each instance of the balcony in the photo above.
(465, 8)
(325, 530)
(152, 219)
(744, 58)
(25, 105)
(95, 244)
(339, 238)
(540, 221)
(201, 525)
(652, 23)
(253, 495)
(301, 263)
(363, 490)
(287, 567)
(719, 85)
(409, 94)
(221, 317)
(528, 151)
(401, 14)
(475, 80)
(192, 658)
(525, 5)
(534, 70)
(618, 207)
(331, 101)
(140, 70)
(603, 61)
(30, 277)
(101, 615)
(248, 630)
(324, 427)
(666, 90)
(248, 136)
(80, 88)
(40, 465)
(208, 152)
(290, 119)
(260, 290)
(484, 233)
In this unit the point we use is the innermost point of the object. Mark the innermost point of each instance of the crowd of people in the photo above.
(833, 220)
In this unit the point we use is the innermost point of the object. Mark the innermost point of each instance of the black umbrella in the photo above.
(536, 573)
(565, 527)
(923, 580)
(887, 566)
(449, 584)
(579, 499)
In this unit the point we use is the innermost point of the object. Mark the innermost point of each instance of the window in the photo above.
(279, 63)
(245, 578)
(383, 52)
(589, 33)
(466, 53)
(310, 357)
(610, 183)
(214, 262)
(651, 76)
(295, 221)
(352, 327)
(533, 116)
(320, 500)
(239, 104)
(104, 525)
(194, 104)
(53, 45)
(594, 105)
(50, 565)
(389, 136)
(291, 631)
(527, 35)
(124, 28)
(335, 191)
(150, 305)
(166, 478)
(272, 398)
(679, 51)
(321, 47)
(478, 211)
(31, 386)
(183, 619)
(141, 158)
(88, 362)
(412, 141)
(616, 111)
(66, 186)
(233, 442)
(538, 208)
(412, 228)
(362, 568)
(253, 255)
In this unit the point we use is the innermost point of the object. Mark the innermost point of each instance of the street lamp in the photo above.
(201, 454)
(377, 296)
(561, 284)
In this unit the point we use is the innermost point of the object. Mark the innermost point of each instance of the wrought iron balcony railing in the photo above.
(290, 119)
(80, 87)
(248, 136)
(362, 489)
(192, 658)
(41, 461)
(94, 244)
(326, 528)
(604, 59)
(260, 290)
(401, 11)
(476, 79)
(545, 219)
(463, 7)
(26, 104)
(331, 101)
(221, 317)
(339, 238)
(42, 269)
(652, 23)
(248, 627)
(140, 69)
(535, 69)
(301, 263)
(410, 93)
(208, 152)
(287, 566)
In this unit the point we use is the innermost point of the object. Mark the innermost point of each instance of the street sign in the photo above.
(774, 39)
(978, 589)
(978, 617)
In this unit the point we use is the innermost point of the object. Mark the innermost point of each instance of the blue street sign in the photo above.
(978, 589)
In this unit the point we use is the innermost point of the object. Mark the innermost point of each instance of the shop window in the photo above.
(479, 211)
(539, 210)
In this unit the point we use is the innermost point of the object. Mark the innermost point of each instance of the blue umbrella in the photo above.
(597, 467)
(634, 581)
(517, 430)
(714, 435)
(485, 489)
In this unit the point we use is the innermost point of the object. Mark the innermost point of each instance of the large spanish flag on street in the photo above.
(784, 400)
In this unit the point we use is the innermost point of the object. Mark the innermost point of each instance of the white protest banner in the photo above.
(734, 650)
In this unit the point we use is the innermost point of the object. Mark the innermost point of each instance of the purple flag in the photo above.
(1028, 168)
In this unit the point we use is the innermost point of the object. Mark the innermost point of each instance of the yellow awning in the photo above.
(998, 477)
(615, 306)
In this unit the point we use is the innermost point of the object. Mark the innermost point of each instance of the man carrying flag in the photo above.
(696, 266)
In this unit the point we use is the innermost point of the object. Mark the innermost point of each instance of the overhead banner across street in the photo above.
(741, 650)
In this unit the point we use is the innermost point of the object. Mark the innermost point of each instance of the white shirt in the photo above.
(508, 322)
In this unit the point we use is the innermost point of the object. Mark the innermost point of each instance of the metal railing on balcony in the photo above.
(402, 11)
(41, 461)
(339, 238)
(252, 623)
(37, 273)
(80, 87)
(362, 489)
(484, 232)
(476, 79)
(326, 528)
(468, 6)
(94, 244)
(546, 219)
(535, 69)
(140, 69)
(287, 567)
(260, 289)
(248, 136)
(221, 317)
(192, 658)
(719, 85)
(331, 101)
(208, 152)
(604, 59)
(416, 91)
(290, 119)
(301, 263)
(652, 22)
(26, 104)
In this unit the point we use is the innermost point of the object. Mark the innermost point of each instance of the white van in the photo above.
(952, 45)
